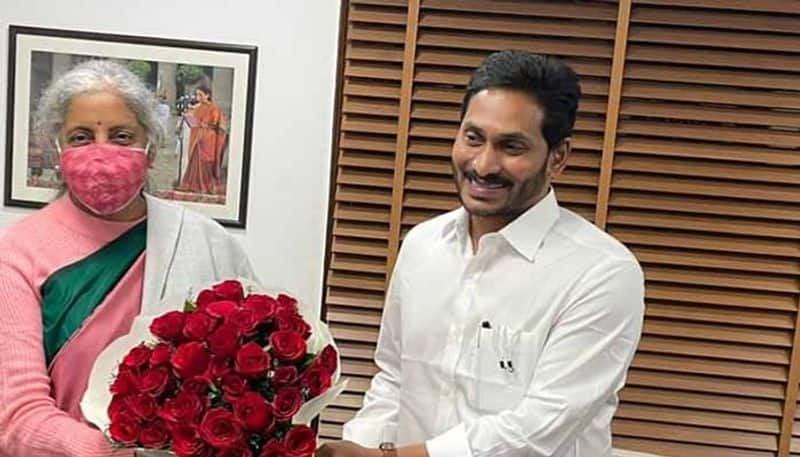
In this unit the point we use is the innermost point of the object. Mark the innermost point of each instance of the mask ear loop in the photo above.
(58, 148)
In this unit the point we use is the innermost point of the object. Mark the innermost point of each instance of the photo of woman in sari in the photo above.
(77, 274)
(206, 146)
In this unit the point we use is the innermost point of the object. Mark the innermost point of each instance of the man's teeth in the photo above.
(482, 183)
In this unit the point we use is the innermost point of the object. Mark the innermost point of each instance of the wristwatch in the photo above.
(388, 449)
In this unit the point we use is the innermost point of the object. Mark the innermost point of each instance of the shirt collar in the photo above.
(525, 233)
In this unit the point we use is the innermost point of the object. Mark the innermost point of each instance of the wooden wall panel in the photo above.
(706, 192)
(359, 242)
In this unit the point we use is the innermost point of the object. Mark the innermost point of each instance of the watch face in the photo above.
(387, 447)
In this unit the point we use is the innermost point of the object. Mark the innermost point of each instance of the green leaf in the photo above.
(189, 306)
(307, 361)
(256, 442)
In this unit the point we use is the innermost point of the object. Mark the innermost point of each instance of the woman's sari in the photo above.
(85, 306)
(206, 147)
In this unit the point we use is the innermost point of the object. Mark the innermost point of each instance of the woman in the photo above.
(206, 143)
(74, 275)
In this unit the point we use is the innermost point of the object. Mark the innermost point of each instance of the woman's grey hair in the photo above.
(95, 76)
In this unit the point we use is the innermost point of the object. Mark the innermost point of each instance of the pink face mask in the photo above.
(104, 177)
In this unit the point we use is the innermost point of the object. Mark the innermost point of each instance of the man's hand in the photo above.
(346, 449)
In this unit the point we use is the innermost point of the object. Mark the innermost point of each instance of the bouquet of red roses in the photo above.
(229, 375)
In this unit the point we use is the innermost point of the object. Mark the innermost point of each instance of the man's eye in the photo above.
(473, 138)
(514, 147)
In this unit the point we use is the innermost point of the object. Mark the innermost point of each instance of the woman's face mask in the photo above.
(104, 177)
(102, 163)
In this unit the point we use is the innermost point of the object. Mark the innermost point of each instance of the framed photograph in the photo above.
(206, 93)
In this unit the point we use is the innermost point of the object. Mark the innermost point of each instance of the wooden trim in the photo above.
(404, 123)
(790, 401)
(336, 133)
(612, 113)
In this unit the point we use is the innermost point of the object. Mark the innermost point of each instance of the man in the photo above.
(510, 322)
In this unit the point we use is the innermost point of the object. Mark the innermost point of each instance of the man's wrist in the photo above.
(374, 452)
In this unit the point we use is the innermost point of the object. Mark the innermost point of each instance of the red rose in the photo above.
(197, 385)
(327, 359)
(316, 380)
(161, 354)
(224, 341)
(190, 359)
(154, 381)
(230, 290)
(220, 366)
(137, 356)
(236, 452)
(244, 320)
(125, 430)
(185, 408)
(273, 449)
(288, 346)
(199, 326)
(262, 306)
(300, 441)
(286, 302)
(253, 412)
(234, 385)
(205, 297)
(288, 320)
(124, 384)
(142, 405)
(284, 376)
(154, 435)
(220, 430)
(186, 442)
(252, 361)
(221, 309)
(169, 326)
(287, 403)
(118, 405)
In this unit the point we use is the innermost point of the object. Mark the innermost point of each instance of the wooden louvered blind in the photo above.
(687, 149)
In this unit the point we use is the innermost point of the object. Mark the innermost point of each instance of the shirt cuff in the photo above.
(452, 443)
(364, 434)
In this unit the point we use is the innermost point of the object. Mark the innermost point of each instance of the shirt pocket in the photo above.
(504, 364)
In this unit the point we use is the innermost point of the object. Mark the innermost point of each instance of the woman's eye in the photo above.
(123, 138)
(80, 138)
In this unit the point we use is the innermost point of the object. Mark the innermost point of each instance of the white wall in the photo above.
(290, 166)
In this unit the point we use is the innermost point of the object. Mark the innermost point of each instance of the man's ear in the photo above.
(557, 160)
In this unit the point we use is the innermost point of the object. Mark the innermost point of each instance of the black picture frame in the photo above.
(229, 70)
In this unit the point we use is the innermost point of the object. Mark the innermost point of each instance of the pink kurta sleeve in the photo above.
(30, 423)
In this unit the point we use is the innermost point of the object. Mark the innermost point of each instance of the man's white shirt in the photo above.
(516, 350)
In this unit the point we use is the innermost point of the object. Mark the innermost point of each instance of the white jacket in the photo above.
(186, 250)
